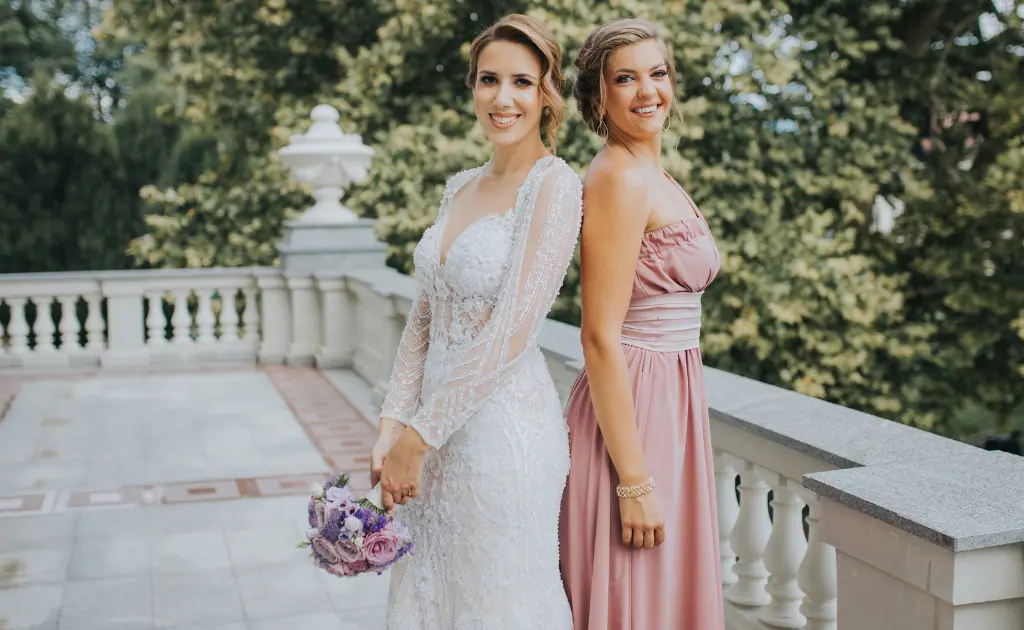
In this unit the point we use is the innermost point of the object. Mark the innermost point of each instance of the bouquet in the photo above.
(348, 536)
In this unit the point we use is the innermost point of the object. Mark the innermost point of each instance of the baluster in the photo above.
(251, 315)
(228, 316)
(156, 322)
(94, 323)
(783, 555)
(18, 328)
(728, 508)
(749, 537)
(43, 326)
(204, 318)
(181, 320)
(69, 323)
(817, 575)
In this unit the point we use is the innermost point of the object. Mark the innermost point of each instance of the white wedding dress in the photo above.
(470, 378)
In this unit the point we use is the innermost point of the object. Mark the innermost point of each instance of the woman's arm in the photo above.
(615, 211)
(544, 240)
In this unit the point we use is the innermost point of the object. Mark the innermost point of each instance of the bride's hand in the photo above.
(387, 435)
(642, 525)
(403, 467)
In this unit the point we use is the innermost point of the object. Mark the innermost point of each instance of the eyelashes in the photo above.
(521, 82)
(624, 78)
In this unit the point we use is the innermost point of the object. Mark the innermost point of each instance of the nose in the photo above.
(503, 97)
(647, 89)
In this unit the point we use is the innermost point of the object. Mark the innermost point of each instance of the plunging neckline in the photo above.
(442, 251)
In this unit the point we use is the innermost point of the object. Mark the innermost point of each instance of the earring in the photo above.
(547, 111)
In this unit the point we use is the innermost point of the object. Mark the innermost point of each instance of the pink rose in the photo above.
(381, 547)
(361, 566)
(340, 569)
(347, 551)
(325, 550)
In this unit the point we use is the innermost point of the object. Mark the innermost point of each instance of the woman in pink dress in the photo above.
(639, 540)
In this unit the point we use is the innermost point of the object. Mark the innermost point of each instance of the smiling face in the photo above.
(638, 89)
(507, 94)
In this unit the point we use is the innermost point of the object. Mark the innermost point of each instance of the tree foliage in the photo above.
(801, 122)
(62, 188)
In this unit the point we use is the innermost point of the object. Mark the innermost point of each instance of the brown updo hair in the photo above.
(589, 86)
(524, 30)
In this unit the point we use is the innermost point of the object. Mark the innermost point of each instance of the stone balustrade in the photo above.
(827, 517)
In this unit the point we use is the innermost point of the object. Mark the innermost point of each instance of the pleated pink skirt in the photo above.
(678, 585)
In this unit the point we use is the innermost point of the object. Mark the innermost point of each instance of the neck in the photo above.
(646, 150)
(518, 157)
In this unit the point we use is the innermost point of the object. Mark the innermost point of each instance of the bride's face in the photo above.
(507, 93)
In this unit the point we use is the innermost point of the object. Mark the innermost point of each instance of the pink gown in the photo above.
(678, 585)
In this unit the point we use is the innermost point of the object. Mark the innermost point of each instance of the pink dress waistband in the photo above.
(669, 322)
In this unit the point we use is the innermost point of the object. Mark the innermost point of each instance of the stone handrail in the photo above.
(871, 525)
(133, 317)
(828, 517)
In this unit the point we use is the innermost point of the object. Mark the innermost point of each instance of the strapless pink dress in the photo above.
(678, 585)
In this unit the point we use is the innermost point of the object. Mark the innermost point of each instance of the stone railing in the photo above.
(828, 518)
(132, 317)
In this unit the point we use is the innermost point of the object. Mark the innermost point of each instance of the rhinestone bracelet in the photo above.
(634, 492)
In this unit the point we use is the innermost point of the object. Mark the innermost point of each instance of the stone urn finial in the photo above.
(328, 160)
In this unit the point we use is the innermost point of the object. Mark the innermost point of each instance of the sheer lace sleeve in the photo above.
(403, 395)
(547, 226)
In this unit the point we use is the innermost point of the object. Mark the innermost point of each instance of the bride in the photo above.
(472, 439)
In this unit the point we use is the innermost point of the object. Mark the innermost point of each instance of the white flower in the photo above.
(353, 524)
(358, 542)
(312, 533)
(318, 493)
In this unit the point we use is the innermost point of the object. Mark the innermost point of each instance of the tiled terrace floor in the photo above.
(174, 500)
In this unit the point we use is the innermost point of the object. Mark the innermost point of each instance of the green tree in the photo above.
(62, 190)
(799, 120)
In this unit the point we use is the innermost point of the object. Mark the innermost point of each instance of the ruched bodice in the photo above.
(676, 263)
(680, 257)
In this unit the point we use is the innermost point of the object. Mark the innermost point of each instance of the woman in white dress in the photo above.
(473, 442)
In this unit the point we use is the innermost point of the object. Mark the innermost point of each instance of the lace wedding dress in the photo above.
(470, 378)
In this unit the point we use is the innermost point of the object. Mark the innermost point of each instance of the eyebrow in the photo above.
(521, 75)
(653, 68)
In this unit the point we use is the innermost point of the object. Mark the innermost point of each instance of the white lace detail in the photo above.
(471, 380)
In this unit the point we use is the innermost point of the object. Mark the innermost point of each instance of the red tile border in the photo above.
(342, 435)
(25, 505)
(201, 491)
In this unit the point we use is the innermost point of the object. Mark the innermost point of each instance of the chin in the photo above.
(505, 139)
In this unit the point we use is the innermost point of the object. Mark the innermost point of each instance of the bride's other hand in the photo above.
(403, 467)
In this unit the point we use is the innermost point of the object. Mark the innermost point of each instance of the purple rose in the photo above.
(380, 548)
(325, 550)
(348, 552)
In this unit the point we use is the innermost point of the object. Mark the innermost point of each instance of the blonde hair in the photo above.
(589, 86)
(526, 31)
